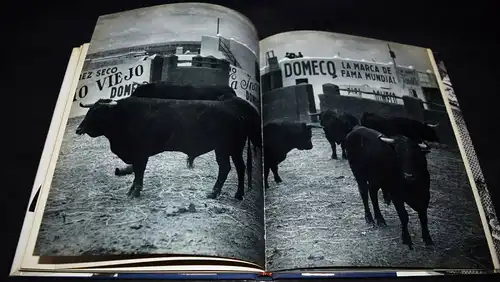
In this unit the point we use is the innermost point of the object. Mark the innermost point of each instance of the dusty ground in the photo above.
(315, 218)
(88, 211)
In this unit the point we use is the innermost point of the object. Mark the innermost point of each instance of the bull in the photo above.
(398, 166)
(138, 128)
(410, 128)
(336, 126)
(280, 137)
(164, 90)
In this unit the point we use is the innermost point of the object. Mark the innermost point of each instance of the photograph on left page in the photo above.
(155, 157)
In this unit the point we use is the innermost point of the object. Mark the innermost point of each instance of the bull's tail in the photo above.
(249, 165)
(190, 162)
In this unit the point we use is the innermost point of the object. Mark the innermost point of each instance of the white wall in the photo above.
(245, 56)
(363, 75)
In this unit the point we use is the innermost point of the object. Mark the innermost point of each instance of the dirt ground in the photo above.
(88, 212)
(315, 218)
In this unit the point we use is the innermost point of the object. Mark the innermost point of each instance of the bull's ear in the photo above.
(386, 140)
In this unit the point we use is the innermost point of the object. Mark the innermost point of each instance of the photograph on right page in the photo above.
(362, 167)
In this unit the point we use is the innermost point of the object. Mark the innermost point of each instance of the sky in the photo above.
(171, 22)
(326, 44)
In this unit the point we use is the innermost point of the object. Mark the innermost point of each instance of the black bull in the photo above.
(398, 165)
(280, 137)
(138, 128)
(336, 126)
(392, 126)
(163, 90)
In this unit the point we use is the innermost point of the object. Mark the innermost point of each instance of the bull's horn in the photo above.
(86, 105)
(110, 103)
(423, 146)
(433, 125)
(313, 114)
(387, 140)
(310, 125)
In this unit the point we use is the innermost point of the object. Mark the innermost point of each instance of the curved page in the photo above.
(144, 168)
(363, 165)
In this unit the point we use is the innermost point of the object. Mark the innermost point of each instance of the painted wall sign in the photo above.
(244, 85)
(113, 82)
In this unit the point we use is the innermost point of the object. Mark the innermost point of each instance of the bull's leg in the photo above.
(403, 217)
(128, 169)
(376, 209)
(139, 168)
(344, 155)
(277, 177)
(363, 191)
(239, 163)
(190, 162)
(363, 188)
(334, 150)
(425, 229)
(266, 174)
(224, 168)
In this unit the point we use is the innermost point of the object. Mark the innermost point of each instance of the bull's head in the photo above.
(301, 135)
(324, 116)
(96, 118)
(410, 155)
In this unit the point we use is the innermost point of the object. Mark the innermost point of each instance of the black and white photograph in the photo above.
(162, 150)
(362, 167)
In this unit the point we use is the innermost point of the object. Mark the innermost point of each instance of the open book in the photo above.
(181, 143)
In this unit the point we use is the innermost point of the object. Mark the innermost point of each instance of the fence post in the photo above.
(311, 102)
(169, 65)
(156, 69)
(225, 67)
(330, 89)
(414, 108)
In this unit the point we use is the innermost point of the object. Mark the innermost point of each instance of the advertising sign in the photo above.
(244, 85)
(366, 92)
(362, 72)
(113, 82)
(409, 76)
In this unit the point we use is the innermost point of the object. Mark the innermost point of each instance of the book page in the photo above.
(482, 194)
(362, 162)
(75, 61)
(155, 158)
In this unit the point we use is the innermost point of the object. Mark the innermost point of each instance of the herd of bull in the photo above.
(383, 153)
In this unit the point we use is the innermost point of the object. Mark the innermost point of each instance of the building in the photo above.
(365, 79)
(213, 60)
